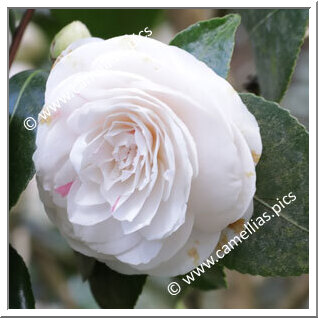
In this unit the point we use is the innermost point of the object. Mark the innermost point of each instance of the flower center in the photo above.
(124, 155)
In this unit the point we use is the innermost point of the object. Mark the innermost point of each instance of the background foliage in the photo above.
(274, 39)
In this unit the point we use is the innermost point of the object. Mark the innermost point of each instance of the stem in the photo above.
(18, 34)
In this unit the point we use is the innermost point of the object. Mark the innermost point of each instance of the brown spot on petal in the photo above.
(146, 59)
(223, 241)
(255, 156)
(196, 242)
(128, 42)
(237, 226)
(193, 253)
(47, 120)
(249, 174)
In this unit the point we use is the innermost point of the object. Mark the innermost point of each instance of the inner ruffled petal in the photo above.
(138, 135)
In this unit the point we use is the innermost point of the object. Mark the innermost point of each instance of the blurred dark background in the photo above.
(54, 273)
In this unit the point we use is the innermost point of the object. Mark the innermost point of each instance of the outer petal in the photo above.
(151, 58)
(196, 250)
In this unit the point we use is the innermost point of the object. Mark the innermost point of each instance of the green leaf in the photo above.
(211, 41)
(20, 291)
(103, 23)
(12, 21)
(213, 278)
(276, 36)
(280, 246)
(114, 290)
(85, 265)
(26, 98)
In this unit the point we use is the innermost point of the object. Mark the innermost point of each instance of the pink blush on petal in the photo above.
(56, 114)
(64, 189)
(115, 204)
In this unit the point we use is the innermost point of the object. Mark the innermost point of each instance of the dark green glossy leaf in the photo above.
(213, 278)
(211, 41)
(20, 291)
(11, 21)
(85, 265)
(103, 23)
(114, 290)
(26, 98)
(280, 246)
(276, 35)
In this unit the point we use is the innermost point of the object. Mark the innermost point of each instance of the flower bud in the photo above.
(69, 34)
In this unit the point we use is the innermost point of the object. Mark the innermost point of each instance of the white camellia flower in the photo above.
(149, 157)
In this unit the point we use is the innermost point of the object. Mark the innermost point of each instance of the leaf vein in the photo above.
(263, 20)
(23, 88)
(256, 198)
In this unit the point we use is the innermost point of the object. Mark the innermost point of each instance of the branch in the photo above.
(18, 34)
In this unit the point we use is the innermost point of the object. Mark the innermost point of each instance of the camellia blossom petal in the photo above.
(150, 159)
